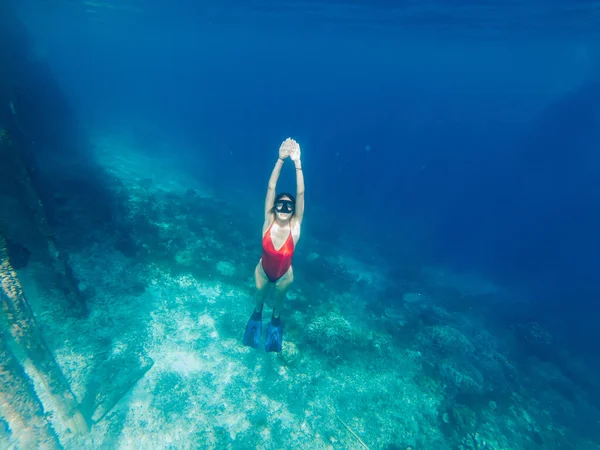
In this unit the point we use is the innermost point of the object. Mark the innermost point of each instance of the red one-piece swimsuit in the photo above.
(276, 263)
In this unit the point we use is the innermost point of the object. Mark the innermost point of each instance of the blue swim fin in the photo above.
(274, 337)
(253, 330)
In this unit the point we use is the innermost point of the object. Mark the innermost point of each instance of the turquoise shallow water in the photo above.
(373, 356)
(444, 293)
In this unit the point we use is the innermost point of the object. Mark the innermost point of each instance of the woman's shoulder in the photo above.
(269, 221)
(296, 225)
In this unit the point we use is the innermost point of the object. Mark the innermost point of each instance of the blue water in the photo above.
(456, 134)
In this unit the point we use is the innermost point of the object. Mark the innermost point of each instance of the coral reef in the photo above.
(367, 360)
(332, 333)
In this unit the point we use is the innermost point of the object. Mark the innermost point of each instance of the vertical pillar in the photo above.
(29, 197)
(30, 349)
(24, 424)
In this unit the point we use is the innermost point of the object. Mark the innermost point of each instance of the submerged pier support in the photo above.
(22, 337)
(16, 182)
(23, 423)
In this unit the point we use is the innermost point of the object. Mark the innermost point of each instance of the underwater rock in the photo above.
(415, 303)
(184, 258)
(466, 381)
(332, 333)
(462, 418)
(290, 353)
(190, 194)
(412, 297)
(395, 315)
(312, 257)
(474, 441)
(539, 335)
(225, 268)
(445, 340)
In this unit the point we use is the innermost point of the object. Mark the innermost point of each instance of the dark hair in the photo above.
(280, 196)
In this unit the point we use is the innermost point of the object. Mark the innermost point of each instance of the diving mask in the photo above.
(284, 206)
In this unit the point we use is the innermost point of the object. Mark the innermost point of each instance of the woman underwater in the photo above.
(280, 231)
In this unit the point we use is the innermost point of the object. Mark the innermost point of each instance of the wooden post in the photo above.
(20, 408)
(30, 348)
(28, 196)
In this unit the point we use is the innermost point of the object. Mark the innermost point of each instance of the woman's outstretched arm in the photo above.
(299, 190)
(284, 152)
(295, 156)
(272, 186)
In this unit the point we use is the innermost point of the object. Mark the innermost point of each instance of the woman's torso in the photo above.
(279, 234)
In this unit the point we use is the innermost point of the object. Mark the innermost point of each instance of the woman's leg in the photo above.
(262, 286)
(281, 287)
(254, 325)
(274, 336)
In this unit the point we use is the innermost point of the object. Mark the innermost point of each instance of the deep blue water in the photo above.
(461, 133)
(481, 117)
